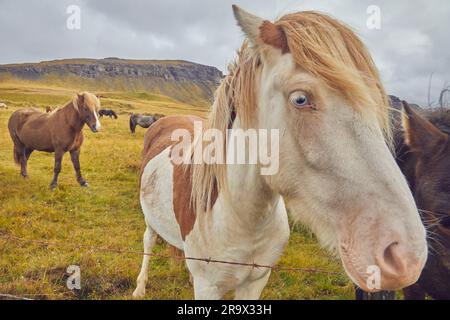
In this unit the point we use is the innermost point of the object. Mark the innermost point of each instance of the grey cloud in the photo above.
(413, 41)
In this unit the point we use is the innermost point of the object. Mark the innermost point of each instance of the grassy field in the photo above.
(108, 215)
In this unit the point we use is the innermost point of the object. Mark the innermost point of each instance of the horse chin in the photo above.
(353, 274)
(93, 129)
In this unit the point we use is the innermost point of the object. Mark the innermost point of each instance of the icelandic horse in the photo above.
(60, 131)
(143, 121)
(310, 77)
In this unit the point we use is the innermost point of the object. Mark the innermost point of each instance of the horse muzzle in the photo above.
(388, 261)
(95, 127)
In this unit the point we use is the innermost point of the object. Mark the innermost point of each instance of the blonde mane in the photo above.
(90, 97)
(322, 46)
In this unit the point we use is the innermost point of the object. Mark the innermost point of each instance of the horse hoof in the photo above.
(53, 186)
(139, 293)
(84, 184)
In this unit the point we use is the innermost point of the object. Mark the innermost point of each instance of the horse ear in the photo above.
(420, 134)
(260, 31)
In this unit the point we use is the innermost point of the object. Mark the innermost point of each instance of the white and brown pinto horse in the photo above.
(309, 76)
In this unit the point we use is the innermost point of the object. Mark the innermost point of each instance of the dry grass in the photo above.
(108, 215)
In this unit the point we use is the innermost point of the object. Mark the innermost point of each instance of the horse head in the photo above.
(88, 105)
(309, 76)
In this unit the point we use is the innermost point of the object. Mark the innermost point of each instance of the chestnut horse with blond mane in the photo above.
(60, 131)
(308, 76)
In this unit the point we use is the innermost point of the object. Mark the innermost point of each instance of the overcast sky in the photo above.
(412, 43)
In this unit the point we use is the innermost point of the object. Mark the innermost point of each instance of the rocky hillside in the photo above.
(182, 80)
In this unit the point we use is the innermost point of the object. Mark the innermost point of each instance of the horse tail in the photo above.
(132, 124)
(17, 155)
(18, 145)
(114, 114)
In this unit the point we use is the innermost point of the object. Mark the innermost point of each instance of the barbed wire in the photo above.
(11, 296)
(159, 255)
(167, 256)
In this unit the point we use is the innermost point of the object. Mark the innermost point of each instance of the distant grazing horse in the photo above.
(58, 132)
(140, 120)
(106, 112)
(48, 109)
(309, 78)
(3, 106)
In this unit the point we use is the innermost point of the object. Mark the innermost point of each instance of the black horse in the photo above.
(106, 112)
(423, 154)
(141, 120)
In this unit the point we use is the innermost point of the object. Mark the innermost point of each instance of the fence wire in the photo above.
(167, 256)
(208, 260)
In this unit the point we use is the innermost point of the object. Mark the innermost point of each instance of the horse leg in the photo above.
(23, 165)
(252, 290)
(149, 242)
(58, 160)
(75, 156)
(205, 290)
(24, 160)
(132, 125)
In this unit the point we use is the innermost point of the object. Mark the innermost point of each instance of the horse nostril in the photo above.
(400, 263)
(392, 261)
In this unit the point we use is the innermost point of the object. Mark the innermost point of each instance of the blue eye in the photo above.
(299, 99)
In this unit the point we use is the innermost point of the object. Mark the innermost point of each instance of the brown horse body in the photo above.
(58, 132)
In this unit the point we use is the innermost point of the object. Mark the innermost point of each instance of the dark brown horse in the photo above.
(107, 113)
(425, 160)
(58, 132)
(423, 153)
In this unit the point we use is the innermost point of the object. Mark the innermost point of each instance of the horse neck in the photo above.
(72, 117)
(248, 197)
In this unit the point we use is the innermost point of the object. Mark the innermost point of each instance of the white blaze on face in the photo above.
(94, 111)
(97, 122)
(93, 104)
